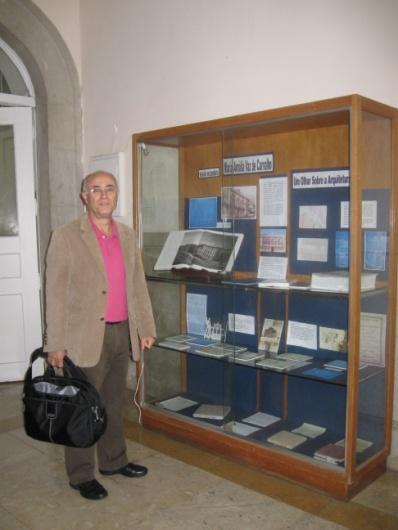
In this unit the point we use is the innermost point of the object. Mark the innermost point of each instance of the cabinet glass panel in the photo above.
(376, 216)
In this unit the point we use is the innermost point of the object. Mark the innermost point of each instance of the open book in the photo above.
(200, 250)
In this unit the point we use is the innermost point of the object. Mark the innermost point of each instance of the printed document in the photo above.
(301, 334)
(273, 201)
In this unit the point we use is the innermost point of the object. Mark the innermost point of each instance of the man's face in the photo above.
(100, 196)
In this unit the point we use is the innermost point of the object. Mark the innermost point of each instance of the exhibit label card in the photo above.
(321, 178)
(238, 165)
(209, 172)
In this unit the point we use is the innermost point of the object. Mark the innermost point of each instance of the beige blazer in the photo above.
(76, 289)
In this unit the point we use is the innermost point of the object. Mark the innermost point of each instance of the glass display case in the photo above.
(270, 252)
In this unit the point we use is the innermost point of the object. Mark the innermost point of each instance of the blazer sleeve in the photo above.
(56, 289)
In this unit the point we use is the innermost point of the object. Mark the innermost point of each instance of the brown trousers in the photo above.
(109, 377)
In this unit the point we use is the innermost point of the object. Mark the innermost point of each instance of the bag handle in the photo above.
(70, 369)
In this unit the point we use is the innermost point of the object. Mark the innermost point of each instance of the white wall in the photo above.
(153, 63)
(148, 64)
(65, 15)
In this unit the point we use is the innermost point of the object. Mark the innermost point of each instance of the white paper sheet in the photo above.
(272, 268)
(302, 334)
(373, 338)
(241, 323)
(196, 313)
(312, 249)
(369, 214)
(273, 201)
(313, 216)
(262, 419)
(344, 214)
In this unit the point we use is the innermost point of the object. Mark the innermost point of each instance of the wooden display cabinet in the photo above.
(310, 190)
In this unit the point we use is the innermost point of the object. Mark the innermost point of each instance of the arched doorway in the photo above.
(20, 315)
(57, 114)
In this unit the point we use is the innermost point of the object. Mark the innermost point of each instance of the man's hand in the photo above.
(56, 358)
(147, 342)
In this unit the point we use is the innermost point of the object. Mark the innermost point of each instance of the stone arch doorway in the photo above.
(37, 42)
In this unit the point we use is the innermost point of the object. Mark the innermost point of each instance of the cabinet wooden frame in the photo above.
(355, 129)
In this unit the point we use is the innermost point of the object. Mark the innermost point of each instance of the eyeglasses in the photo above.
(97, 191)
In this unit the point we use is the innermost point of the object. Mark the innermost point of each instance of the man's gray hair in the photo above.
(87, 178)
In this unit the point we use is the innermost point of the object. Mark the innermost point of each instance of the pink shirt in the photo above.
(116, 301)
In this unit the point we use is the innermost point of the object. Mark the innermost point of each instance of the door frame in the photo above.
(23, 108)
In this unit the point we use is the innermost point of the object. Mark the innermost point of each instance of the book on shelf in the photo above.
(242, 429)
(221, 349)
(286, 439)
(180, 338)
(201, 250)
(339, 365)
(281, 365)
(177, 403)
(211, 412)
(180, 346)
(322, 373)
(339, 281)
(241, 281)
(331, 453)
(262, 419)
(211, 351)
(290, 356)
(270, 335)
(271, 284)
(361, 444)
(283, 284)
(309, 430)
(201, 341)
(275, 284)
(248, 356)
(229, 348)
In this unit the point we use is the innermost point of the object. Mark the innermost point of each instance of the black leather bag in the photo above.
(65, 410)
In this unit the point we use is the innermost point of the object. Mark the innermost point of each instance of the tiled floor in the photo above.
(186, 489)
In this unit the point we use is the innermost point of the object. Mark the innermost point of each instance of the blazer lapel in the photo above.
(88, 236)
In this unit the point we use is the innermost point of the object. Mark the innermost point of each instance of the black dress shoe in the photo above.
(129, 470)
(91, 490)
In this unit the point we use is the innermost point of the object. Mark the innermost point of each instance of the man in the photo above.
(97, 311)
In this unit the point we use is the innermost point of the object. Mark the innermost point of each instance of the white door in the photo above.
(20, 315)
